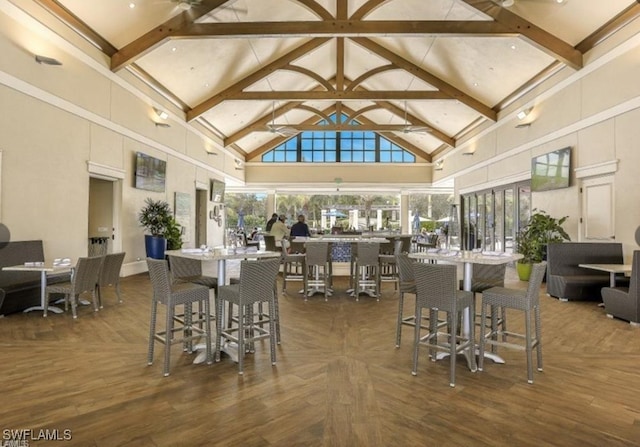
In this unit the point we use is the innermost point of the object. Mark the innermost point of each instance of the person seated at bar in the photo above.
(300, 228)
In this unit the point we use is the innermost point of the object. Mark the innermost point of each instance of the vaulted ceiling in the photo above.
(421, 72)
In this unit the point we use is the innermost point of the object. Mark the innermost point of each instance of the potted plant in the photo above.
(532, 240)
(173, 234)
(155, 217)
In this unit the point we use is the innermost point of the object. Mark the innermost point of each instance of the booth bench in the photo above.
(567, 281)
(22, 289)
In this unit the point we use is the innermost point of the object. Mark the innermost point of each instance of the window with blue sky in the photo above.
(333, 147)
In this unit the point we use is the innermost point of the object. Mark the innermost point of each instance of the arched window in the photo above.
(334, 147)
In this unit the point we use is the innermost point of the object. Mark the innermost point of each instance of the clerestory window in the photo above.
(334, 147)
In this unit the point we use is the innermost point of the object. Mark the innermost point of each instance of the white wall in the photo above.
(598, 116)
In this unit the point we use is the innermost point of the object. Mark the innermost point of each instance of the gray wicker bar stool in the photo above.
(257, 278)
(525, 300)
(388, 267)
(318, 269)
(437, 290)
(367, 269)
(407, 283)
(294, 264)
(173, 294)
(486, 276)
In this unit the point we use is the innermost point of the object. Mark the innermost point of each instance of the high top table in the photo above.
(220, 255)
(468, 258)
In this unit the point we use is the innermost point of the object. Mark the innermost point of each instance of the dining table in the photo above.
(612, 269)
(44, 269)
(467, 259)
(220, 255)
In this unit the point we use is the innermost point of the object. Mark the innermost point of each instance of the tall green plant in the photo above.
(155, 216)
(540, 230)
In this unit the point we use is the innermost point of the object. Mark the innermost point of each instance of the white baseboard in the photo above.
(133, 268)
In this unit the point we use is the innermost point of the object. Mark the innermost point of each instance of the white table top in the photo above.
(353, 239)
(38, 267)
(610, 268)
(467, 256)
(218, 254)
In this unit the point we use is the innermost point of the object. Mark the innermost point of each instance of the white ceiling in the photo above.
(480, 68)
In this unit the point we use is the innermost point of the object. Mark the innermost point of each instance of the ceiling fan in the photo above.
(509, 3)
(186, 4)
(408, 128)
(279, 129)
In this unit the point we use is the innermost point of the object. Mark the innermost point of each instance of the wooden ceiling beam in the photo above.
(256, 76)
(429, 78)
(316, 9)
(368, 8)
(545, 41)
(359, 95)
(415, 121)
(345, 28)
(150, 40)
(66, 16)
(260, 124)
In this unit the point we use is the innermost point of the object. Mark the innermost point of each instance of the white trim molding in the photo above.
(607, 167)
(105, 172)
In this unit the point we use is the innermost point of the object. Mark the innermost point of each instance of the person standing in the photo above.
(279, 230)
(300, 228)
(270, 222)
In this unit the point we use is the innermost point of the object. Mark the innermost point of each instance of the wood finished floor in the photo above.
(339, 381)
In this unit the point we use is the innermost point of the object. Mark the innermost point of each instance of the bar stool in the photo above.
(172, 295)
(294, 264)
(318, 269)
(525, 300)
(367, 269)
(387, 262)
(257, 278)
(437, 290)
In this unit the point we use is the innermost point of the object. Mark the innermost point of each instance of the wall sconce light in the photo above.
(47, 60)
(439, 165)
(522, 114)
(165, 125)
(239, 165)
(468, 153)
(161, 113)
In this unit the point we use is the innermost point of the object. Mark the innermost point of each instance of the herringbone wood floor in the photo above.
(339, 381)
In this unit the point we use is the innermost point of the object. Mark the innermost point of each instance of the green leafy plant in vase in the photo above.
(156, 218)
(532, 240)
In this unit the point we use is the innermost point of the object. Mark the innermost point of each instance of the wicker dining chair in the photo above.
(528, 301)
(83, 280)
(257, 278)
(173, 294)
(437, 290)
(110, 275)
